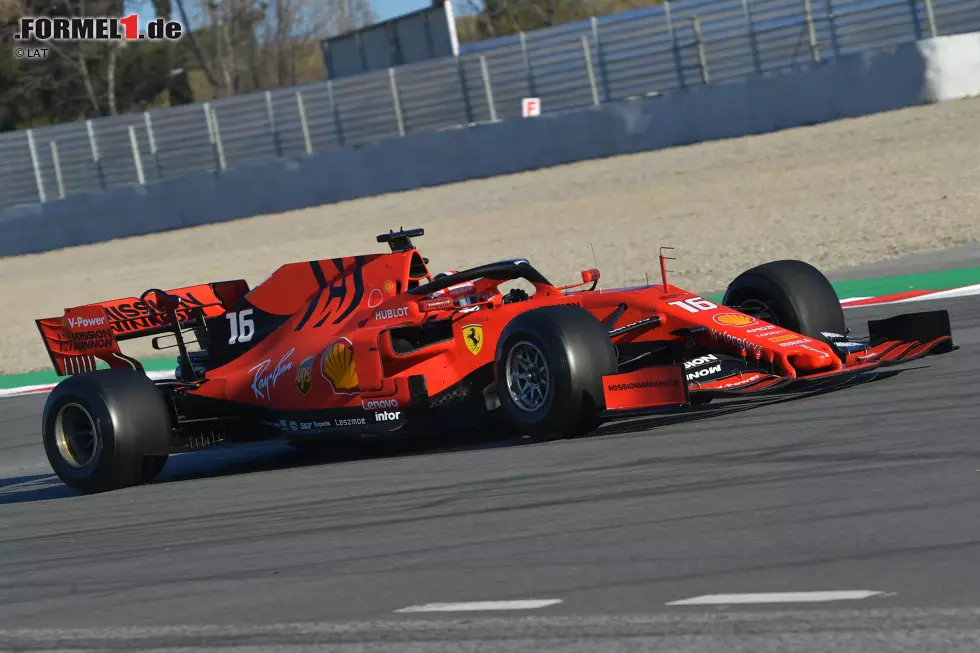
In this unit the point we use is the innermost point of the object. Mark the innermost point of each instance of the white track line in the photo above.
(963, 291)
(482, 606)
(33, 389)
(25, 390)
(777, 597)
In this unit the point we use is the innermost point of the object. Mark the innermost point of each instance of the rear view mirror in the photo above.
(588, 276)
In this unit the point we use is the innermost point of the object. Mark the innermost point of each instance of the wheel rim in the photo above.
(528, 377)
(76, 436)
(759, 310)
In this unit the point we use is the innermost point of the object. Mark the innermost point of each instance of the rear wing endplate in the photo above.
(77, 339)
(93, 331)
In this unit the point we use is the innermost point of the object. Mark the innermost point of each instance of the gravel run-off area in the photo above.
(844, 193)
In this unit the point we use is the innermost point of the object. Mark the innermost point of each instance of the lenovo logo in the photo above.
(379, 404)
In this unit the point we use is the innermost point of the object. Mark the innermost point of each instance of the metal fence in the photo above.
(635, 54)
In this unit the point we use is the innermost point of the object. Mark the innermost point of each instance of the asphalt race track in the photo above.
(872, 488)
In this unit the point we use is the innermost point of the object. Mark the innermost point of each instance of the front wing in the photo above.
(894, 341)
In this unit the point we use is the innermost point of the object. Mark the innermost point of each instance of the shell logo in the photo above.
(389, 286)
(337, 365)
(734, 319)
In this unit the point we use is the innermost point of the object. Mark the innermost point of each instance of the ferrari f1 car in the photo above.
(374, 345)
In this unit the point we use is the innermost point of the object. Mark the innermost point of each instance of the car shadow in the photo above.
(738, 405)
(33, 487)
(234, 460)
(240, 459)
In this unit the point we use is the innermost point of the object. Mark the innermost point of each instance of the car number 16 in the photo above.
(242, 326)
(695, 304)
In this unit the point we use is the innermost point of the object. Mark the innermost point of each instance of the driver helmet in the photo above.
(464, 292)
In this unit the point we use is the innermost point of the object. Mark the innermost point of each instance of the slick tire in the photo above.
(106, 430)
(548, 368)
(791, 294)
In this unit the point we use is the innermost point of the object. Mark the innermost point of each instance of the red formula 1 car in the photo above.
(375, 345)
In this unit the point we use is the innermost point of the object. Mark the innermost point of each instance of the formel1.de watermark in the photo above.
(95, 28)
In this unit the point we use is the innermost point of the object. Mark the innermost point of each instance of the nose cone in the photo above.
(812, 356)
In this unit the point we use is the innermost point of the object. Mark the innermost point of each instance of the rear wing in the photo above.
(93, 331)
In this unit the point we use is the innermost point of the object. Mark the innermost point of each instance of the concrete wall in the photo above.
(952, 67)
(929, 71)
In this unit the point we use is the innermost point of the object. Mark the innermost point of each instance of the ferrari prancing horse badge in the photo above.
(473, 337)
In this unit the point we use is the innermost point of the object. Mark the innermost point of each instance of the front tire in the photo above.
(791, 294)
(549, 366)
(106, 430)
(153, 465)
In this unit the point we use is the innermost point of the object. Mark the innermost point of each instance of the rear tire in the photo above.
(791, 294)
(106, 430)
(549, 366)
